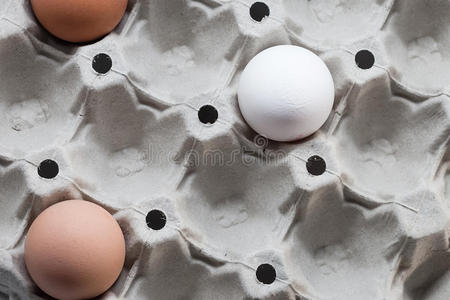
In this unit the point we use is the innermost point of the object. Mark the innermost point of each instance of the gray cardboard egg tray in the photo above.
(374, 225)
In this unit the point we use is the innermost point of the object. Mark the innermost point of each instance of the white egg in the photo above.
(286, 93)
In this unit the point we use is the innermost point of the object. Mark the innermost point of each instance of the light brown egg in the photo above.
(79, 20)
(74, 249)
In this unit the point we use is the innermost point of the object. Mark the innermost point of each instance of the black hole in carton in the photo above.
(259, 11)
(266, 274)
(364, 59)
(102, 63)
(156, 219)
(48, 169)
(208, 114)
(316, 165)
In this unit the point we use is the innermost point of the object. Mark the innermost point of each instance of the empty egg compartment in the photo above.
(387, 144)
(177, 60)
(418, 46)
(127, 145)
(41, 91)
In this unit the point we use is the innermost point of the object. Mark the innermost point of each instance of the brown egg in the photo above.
(74, 249)
(79, 20)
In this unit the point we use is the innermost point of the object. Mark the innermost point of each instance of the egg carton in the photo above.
(146, 120)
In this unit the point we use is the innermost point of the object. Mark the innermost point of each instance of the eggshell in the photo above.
(79, 20)
(74, 249)
(286, 93)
